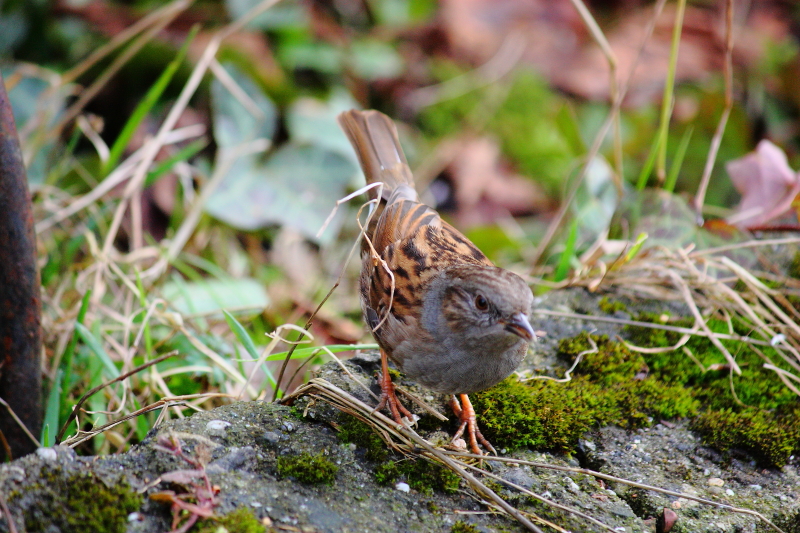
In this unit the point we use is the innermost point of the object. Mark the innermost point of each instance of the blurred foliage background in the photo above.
(498, 103)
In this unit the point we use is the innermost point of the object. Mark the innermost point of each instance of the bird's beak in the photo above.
(518, 325)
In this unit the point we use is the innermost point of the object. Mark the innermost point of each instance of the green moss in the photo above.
(770, 437)
(463, 527)
(81, 503)
(353, 430)
(239, 521)
(762, 415)
(608, 388)
(607, 306)
(421, 475)
(307, 468)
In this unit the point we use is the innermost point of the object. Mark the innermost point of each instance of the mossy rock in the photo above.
(307, 468)
(421, 475)
(239, 521)
(610, 387)
(81, 503)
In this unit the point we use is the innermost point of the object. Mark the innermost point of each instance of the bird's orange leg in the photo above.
(388, 395)
(466, 414)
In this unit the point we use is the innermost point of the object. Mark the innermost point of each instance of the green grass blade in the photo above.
(677, 161)
(241, 334)
(93, 343)
(648, 165)
(147, 103)
(183, 154)
(247, 342)
(69, 352)
(335, 348)
(640, 240)
(569, 251)
(52, 411)
(669, 88)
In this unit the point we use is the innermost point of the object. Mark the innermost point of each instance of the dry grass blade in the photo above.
(720, 286)
(716, 141)
(610, 119)
(408, 442)
(82, 436)
(86, 95)
(21, 425)
(12, 527)
(607, 477)
(362, 234)
(76, 408)
(652, 325)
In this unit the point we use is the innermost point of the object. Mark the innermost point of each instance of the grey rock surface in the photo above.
(242, 442)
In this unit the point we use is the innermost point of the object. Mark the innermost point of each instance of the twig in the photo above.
(555, 224)
(700, 197)
(567, 377)
(611, 58)
(12, 527)
(87, 395)
(20, 424)
(607, 477)
(651, 325)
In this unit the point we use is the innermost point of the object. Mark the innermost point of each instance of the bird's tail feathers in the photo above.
(374, 139)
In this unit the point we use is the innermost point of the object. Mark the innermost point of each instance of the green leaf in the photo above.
(212, 296)
(248, 343)
(313, 121)
(640, 240)
(93, 343)
(372, 60)
(298, 187)
(238, 121)
(282, 15)
(596, 200)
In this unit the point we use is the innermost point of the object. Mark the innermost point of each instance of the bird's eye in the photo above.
(481, 303)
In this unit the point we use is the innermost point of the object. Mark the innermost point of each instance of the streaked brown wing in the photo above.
(416, 244)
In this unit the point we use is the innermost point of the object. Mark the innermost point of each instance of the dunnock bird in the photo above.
(438, 308)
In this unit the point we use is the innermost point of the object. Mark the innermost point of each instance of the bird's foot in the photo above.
(389, 399)
(466, 414)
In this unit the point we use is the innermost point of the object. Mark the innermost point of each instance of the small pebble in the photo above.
(135, 516)
(729, 492)
(272, 437)
(715, 482)
(217, 428)
(460, 443)
(47, 454)
(666, 521)
(403, 487)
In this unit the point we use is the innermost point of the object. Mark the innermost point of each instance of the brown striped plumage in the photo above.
(436, 305)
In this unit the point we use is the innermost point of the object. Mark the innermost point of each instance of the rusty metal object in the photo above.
(20, 297)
